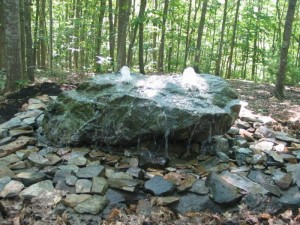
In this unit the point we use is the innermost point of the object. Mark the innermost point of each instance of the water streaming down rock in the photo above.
(129, 109)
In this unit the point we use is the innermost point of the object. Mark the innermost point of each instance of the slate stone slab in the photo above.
(199, 187)
(265, 181)
(221, 191)
(4, 181)
(196, 203)
(73, 200)
(243, 183)
(12, 189)
(38, 189)
(93, 205)
(291, 197)
(29, 178)
(125, 184)
(83, 186)
(159, 186)
(99, 186)
(91, 171)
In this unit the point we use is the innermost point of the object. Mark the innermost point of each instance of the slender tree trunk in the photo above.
(2, 38)
(29, 47)
(199, 37)
(154, 37)
(141, 36)
(162, 39)
(280, 76)
(50, 37)
(14, 67)
(123, 19)
(99, 32)
(42, 40)
(35, 34)
(213, 42)
(228, 75)
(218, 63)
(131, 44)
(187, 38)
(178, 47)
(77, 33)
(112, 34)
(23, 45)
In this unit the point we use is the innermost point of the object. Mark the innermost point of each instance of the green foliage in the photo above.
(256, 48)
(2, 78)
(22, 83)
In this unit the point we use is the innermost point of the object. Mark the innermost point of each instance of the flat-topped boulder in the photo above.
(114, 109)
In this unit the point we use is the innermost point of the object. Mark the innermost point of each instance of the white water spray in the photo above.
(125, 75)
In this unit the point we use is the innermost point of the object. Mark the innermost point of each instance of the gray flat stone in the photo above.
(12, 189)
(62, 174)
(74, 168)
(38, 189)
(196, 203)
(71, 180)
(130, 185)
(199, 187)
(83, 186)
(73, 200)
(91, 171)
(243, 183)
(4, 181)
(159, 186)
(93, 205)
(37, 159)
(283, 180)
(221, 191)
(29, 178)
(265, 181)
(114, 196)
(6, 172)
(77, 160)
(100, 185)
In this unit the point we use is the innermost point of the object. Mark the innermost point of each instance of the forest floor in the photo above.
(259, 99)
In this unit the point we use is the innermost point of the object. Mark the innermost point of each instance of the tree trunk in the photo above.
(42, 27)
(141, 36)
(2, 38)
(123, 19)
(187, 38)
(29, 47)
(35, 34)
(280, 76)
(99, 33)
(14, 67)
(162, 39)
(77, 33)
(50, 36)
(22, 27)
(154, 37)
(228, 75)
(112, 33)
(200, 35)
(218, 63)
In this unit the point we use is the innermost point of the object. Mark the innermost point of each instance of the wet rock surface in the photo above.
(260, 169)
(107, 110)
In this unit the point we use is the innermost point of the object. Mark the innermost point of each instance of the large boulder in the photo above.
(112, 110)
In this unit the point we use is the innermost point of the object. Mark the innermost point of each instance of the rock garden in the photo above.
(150, 151)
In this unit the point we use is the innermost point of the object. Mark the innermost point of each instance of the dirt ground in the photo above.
(261, 100)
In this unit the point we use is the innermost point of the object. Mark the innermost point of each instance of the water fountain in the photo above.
(126, 109)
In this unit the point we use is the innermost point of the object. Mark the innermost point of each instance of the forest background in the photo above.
(236, 39)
